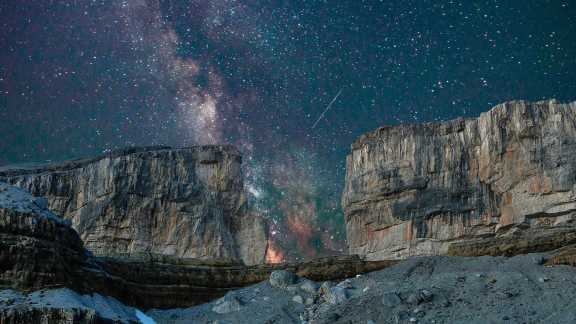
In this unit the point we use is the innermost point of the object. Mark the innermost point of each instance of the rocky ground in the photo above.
(438, 289)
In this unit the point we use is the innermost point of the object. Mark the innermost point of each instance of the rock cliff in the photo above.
(428, 189)
(185, 202)
(37, 248)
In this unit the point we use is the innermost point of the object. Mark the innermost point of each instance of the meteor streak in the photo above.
(327, 108)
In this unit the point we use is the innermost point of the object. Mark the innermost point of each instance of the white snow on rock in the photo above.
(19, 200)
(144, 319)
(64, 298)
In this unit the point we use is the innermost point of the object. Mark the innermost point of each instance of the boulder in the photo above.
(282, 279)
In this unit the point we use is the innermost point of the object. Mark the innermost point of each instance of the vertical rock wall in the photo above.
(415, 189)
(185, 202)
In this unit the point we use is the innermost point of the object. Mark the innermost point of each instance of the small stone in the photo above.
(480, 275)
(421, 297)
(309, 301)
(505, 318)
(309, 286)
(266, 298)
(336, 295)
(370, 322)
(292, 289)
(227, 304)
(347, 284)
(365, 289)
(426, 295)
(417, 310)
(543, 279)
(413, 299)
(413, 320)
(282, 279)
(298, 299)
(325, 287)
(391, 299)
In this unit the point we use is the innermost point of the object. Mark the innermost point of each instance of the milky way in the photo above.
(82, 77)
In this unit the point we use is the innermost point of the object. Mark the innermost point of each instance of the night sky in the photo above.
(291, 83)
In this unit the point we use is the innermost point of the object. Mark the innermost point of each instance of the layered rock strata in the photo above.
(185, 202)
(156, 283)
(417, 189)
(39, 250)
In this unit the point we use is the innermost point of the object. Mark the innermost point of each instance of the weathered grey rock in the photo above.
(419, 297)
(325, 287)
(185, 202)
(415, 189)
(227, 304)
(309, 286)
(391, 299)
(298, 299)
(336, 295)
(282, 279)
(347, 284)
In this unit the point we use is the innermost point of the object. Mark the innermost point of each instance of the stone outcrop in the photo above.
(185, 202)
(418, 189)
(37, 248)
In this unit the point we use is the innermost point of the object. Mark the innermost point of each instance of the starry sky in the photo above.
(291, 83)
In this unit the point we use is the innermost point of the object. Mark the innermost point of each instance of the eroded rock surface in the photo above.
(37, 247)
(185, 202)
(415, 189)
(63, 306)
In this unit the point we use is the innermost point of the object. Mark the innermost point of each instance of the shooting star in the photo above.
(327, 108)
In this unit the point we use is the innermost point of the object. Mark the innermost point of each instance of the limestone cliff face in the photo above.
(37, 248)
(185, 202)
(418, 189)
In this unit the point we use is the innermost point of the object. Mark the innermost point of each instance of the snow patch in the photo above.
(144, 319)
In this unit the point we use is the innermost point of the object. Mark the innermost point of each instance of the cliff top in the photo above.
(453, 125)
(34, 168)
